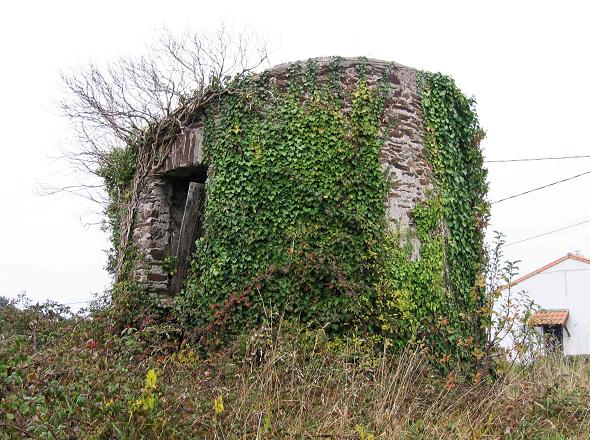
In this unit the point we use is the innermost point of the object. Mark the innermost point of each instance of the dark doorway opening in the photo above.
(187, 196)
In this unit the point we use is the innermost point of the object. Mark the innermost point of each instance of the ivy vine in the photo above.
(116, 170)
(295, 205)
(295, 222)
(452, 137)
(438, 299)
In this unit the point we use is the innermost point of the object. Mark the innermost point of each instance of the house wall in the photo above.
(563, 286)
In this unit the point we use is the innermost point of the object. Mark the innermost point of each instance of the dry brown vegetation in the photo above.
(79, 378)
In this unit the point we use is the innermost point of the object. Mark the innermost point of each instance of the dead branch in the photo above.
(145, 102)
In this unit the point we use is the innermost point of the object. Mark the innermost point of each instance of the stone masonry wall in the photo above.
(159, 212)
(403, 157)
(150, 233)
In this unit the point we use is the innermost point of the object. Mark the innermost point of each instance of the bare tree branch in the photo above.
(113, 106)
(144, 103)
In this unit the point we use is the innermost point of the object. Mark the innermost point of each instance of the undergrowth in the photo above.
(64, 376)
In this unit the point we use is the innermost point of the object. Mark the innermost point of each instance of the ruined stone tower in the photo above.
(162, 198)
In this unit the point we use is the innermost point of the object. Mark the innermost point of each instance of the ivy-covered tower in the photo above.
(343, 192)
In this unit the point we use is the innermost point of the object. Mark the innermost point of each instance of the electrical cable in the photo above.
(76, 302)
(548, 233)
(541, 187)
(534, 159)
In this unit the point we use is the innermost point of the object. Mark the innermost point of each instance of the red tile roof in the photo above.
(549, 317)
(549, 265)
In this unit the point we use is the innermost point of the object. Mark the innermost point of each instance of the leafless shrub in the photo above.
(115, 105)
(145, 102)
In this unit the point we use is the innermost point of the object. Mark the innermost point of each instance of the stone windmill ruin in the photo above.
(168, 217)
(170, 196)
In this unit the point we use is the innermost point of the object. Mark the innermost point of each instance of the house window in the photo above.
(553, 335)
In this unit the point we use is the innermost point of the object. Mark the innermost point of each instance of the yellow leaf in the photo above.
(218, 405)
(151, 379)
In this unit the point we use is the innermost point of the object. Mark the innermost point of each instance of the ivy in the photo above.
(116, 169)
(453, 137)
(295, 205)
(130, 302)
(438, 298)
(295, 222)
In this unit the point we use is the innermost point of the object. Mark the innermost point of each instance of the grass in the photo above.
(81, 378)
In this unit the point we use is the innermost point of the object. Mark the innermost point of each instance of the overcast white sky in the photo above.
(526, 62)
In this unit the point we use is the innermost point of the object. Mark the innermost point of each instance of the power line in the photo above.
(533, 159)
(542, 187)
(76, 302)
(548, 233)
(65, 304)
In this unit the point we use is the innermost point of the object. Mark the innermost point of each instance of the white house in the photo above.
(560, 291)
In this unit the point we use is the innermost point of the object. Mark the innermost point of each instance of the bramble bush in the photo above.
(74, 377)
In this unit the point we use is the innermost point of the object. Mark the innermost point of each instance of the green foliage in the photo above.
(130, 303)
(432, 288)
(170, 265)
(116, 169)
(295, 220)
(82, 380)
(411, 293)
(295, 205)
(452, 138)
